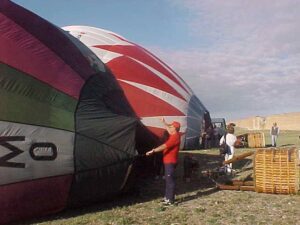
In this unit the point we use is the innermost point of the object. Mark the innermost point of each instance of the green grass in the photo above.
(285, 138)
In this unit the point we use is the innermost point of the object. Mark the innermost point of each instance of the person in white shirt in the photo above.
(230, 142)
(274, 132)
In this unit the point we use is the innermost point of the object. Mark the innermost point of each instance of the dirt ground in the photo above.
(198, 202)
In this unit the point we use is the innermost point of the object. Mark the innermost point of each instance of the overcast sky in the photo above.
(240, 57)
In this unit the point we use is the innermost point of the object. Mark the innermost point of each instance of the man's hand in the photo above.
(150, 152)
(162, 120)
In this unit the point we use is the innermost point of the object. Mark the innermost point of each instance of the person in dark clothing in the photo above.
(216, 136)
(209, 137)
(190, 164)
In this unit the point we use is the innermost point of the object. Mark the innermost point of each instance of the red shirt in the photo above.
(171, 152)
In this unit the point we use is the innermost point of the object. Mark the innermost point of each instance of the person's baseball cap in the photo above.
(176, 124)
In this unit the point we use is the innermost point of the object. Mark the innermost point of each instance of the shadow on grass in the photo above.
(198, 194)
(148, 189)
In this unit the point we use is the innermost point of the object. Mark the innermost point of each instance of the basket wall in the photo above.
(256, 140)
(276, 170)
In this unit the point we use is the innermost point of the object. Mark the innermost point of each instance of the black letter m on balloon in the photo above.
(14, 151)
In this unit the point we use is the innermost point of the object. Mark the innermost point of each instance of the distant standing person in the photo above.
(230, 142)
(209, 137)
(216, 136)
(170, 151)
(274, 132)
(202, 135)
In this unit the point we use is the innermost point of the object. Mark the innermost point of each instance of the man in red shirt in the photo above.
(170, 151)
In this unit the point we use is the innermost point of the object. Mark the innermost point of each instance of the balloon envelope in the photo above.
(153, 89)
(67, 132)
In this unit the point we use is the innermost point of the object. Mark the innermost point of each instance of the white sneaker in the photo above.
(168, 203)
(164, 199)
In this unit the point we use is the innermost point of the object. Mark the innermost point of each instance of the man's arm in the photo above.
(157, 149)
(221, 140)
(166, 124)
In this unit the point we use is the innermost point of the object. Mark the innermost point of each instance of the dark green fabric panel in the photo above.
(103, 183)
(104, 140)
(27, 100)
(20, 109)
(104, 116)
(109, 142)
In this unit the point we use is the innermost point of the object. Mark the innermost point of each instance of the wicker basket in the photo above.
(276, 170)
(256, 140)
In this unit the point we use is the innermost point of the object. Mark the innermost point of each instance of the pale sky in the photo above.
(240, 57)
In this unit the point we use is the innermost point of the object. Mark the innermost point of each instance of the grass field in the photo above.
(285, 138)
(198, 202)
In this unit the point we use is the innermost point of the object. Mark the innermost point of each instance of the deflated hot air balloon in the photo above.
(67, 133)
(153, 89)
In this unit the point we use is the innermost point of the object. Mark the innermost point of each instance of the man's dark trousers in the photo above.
(170, 181)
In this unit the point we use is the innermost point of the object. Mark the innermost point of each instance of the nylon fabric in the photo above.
(44, 106)
(105, 139)
(30, 144)
(67, 131)
(195, 117)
